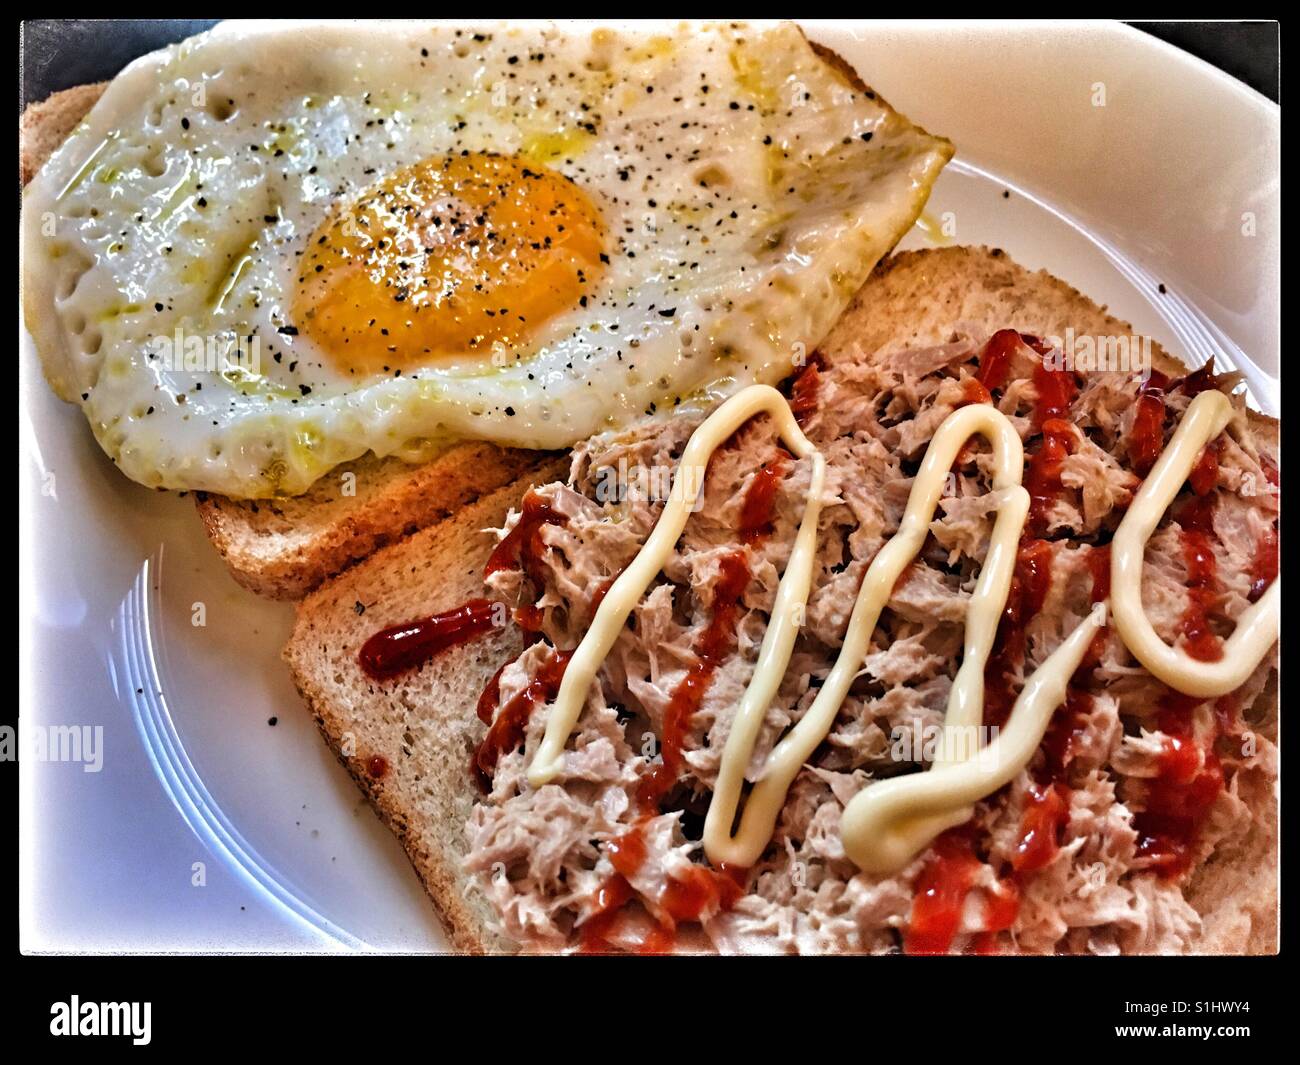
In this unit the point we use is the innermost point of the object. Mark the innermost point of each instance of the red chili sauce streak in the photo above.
(1263, 567)
(701, 891)
(1200, 640)
(507, 729)
(710, 648)
(1046, 810)
(805, 388)
(1099, 568)
(490, 696)
(995, 359)
(529, 617)
(1180, 796)
(941, 892)
(1195, 516)
(949, 875)
(1043, 477)
(1190, 777)
(405, 646)
(1205, 474)
(1029, 585)
(522, 545)
(758, 507)
(1147, 434)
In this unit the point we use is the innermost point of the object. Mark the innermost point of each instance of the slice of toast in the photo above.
(425, 725)
(282, 548)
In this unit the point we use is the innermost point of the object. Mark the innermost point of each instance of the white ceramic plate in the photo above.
(205, 828)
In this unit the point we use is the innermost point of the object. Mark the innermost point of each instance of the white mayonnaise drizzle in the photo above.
(1207, 416)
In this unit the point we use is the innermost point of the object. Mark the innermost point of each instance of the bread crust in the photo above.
(283, 548)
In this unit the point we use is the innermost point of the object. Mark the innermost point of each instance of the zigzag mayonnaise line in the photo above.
(965, 704)
(1206, 417)
(632, 582)
(890, 821)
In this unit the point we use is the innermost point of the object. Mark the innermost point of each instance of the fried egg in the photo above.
(272, 249)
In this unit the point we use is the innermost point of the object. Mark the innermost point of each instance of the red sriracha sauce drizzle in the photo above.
(704, 890)
(1029, 586)
(971, 392)
(1147, 434)
(402, 647)
(711, 647)
(995, 359)
(522, 546)
(1056, 389)
(511, 721)
(1043, 475)
(405, 646)
(805, 388)
(947, 879)
(1195, 516)
(1179, 798)
(1205, 474)
(758, 507)
(1263, 567)
(941, 891)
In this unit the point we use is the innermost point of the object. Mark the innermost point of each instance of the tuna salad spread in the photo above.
(1089, 848)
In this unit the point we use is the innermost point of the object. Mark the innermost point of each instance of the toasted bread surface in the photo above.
(914, 298)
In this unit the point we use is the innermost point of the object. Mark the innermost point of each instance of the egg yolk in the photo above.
(467, 254)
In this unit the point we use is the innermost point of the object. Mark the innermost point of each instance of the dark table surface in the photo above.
(60, 53)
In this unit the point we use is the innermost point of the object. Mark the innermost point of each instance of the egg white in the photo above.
(746, 187)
